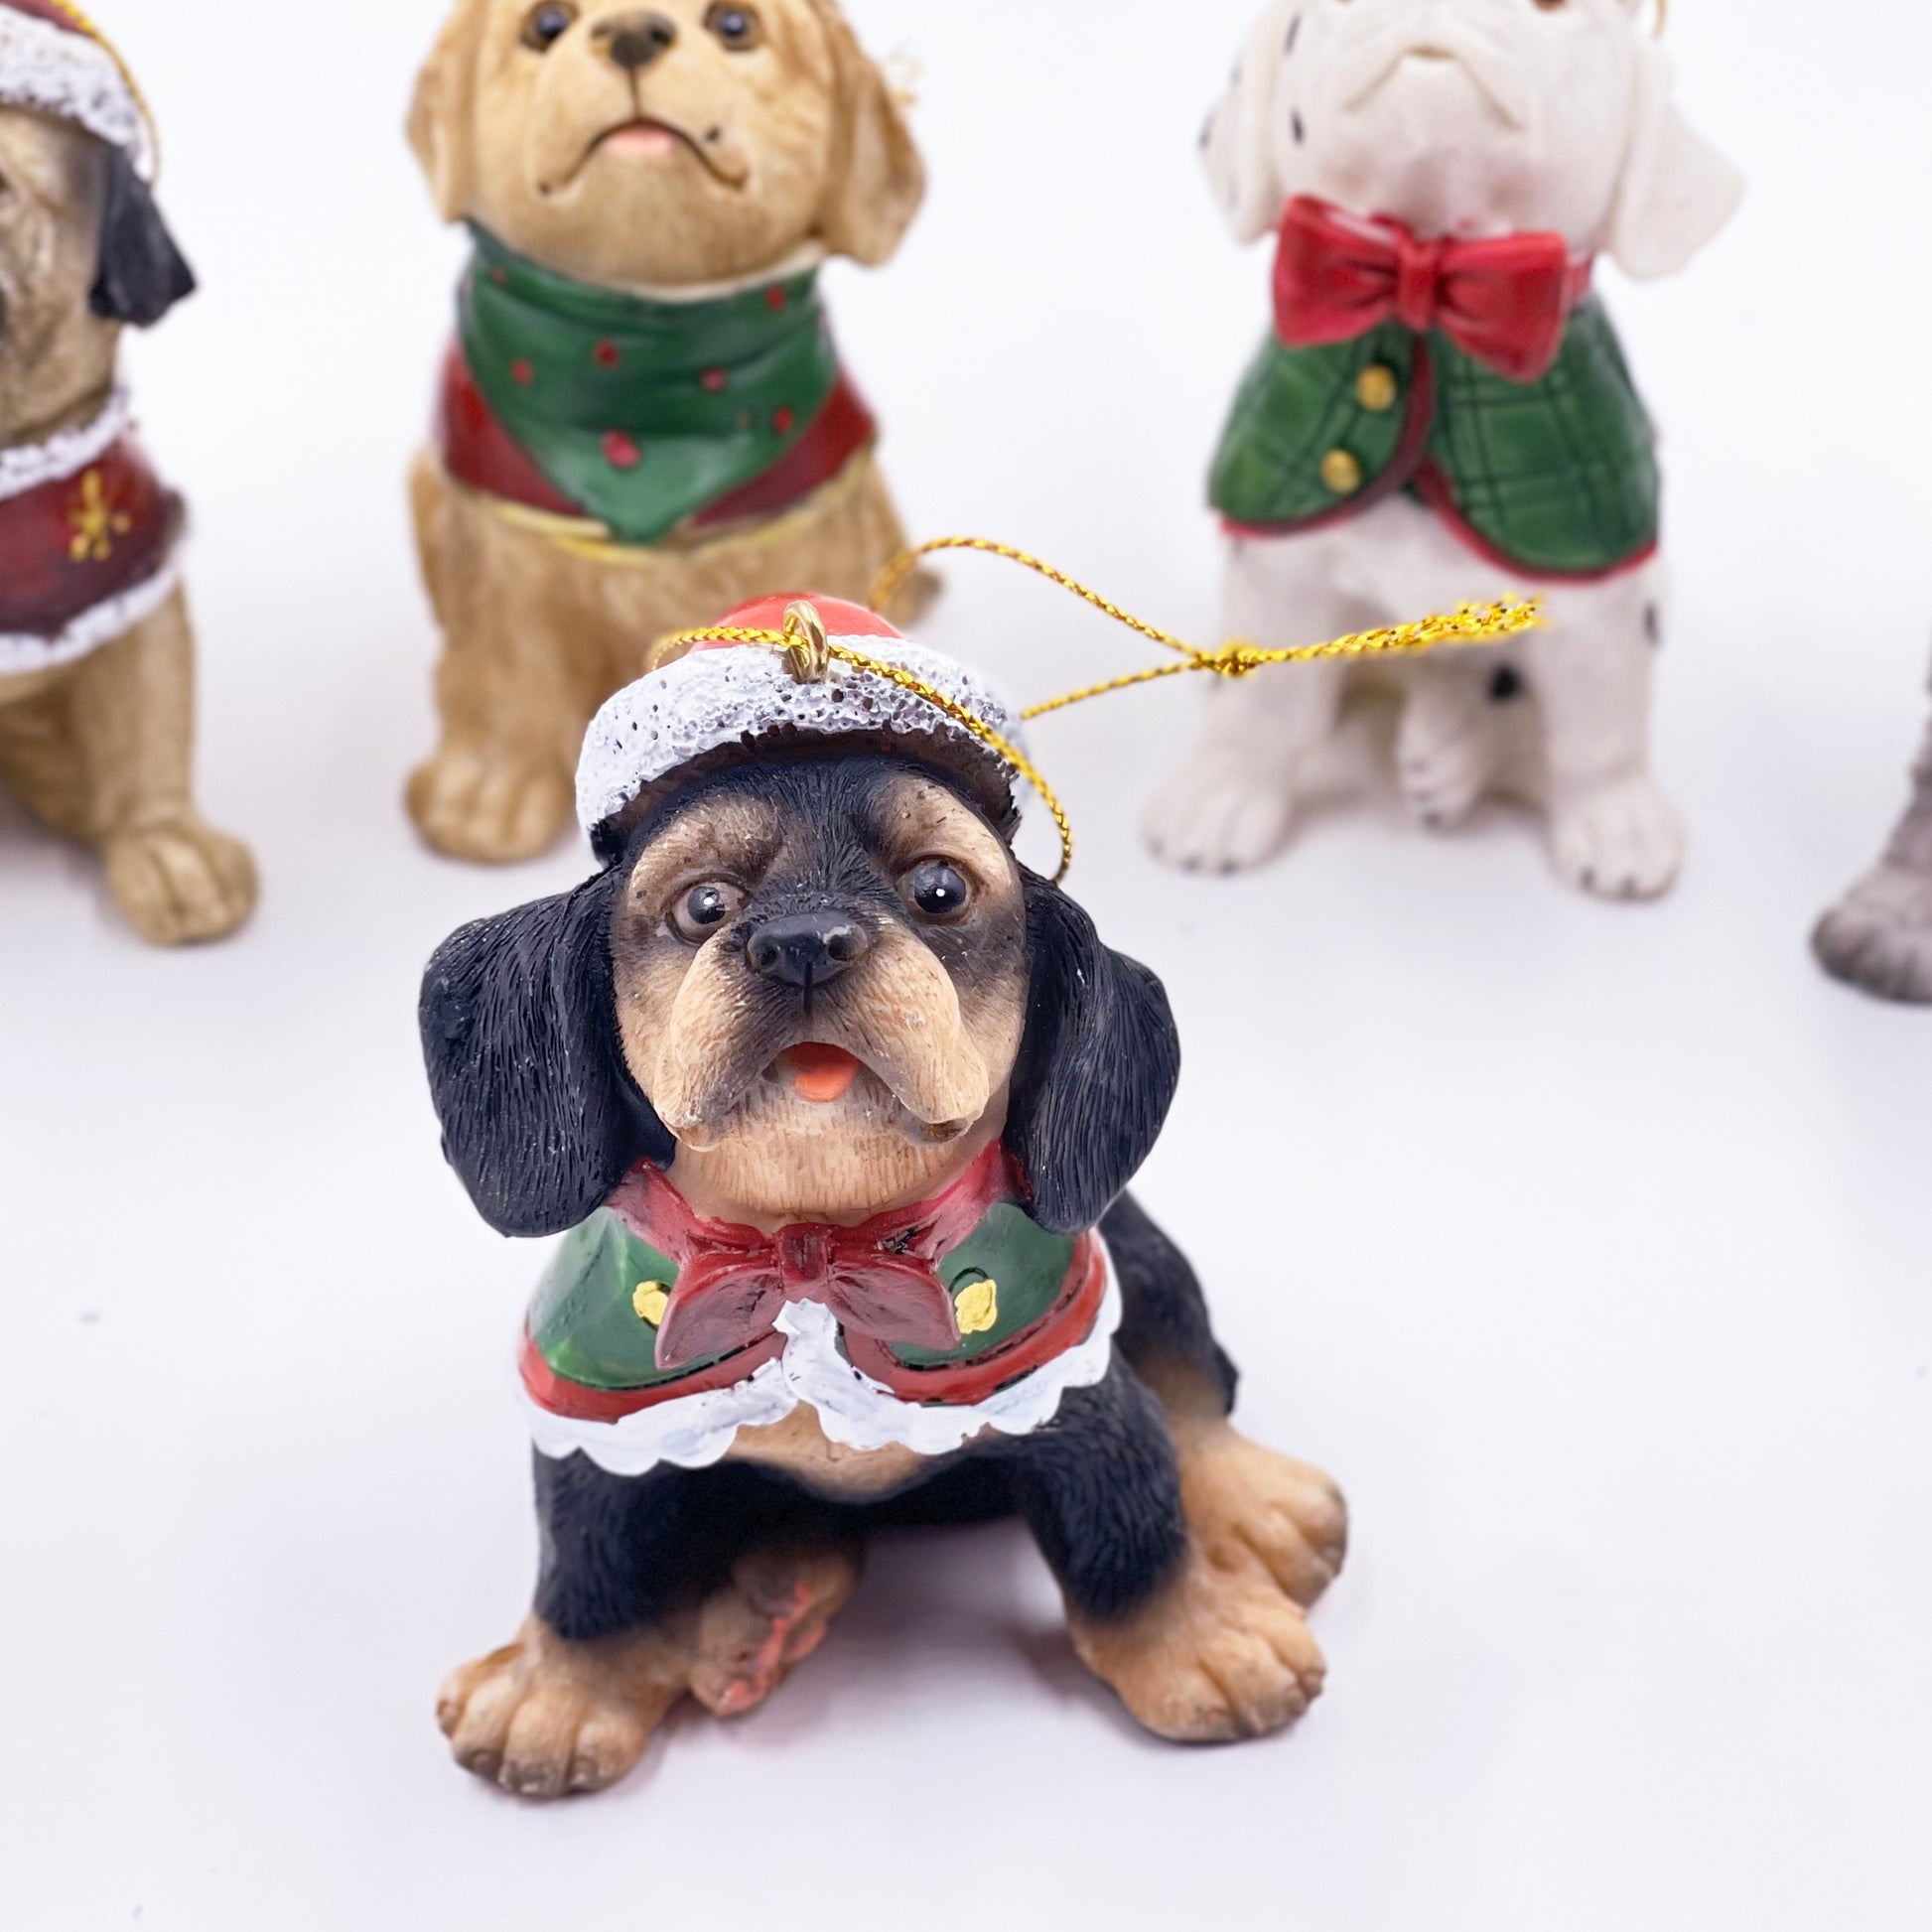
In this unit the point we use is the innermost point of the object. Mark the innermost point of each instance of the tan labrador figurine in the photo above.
(644, 420)
(96, 657)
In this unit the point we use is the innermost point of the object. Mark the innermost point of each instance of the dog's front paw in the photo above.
(1217, 814)
(490, 809)
(180, 882)
(1620, 839)
(771, 1615)
(1218, 1655)
(543, 1716)
(1250, 1508)
(1444, 758)
(1880, 935)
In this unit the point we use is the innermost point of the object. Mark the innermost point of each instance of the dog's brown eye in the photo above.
(548, 23)
(705, 909)
(937, 889)
(738, 27)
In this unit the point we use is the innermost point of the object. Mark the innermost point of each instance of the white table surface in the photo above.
(1589, 1247)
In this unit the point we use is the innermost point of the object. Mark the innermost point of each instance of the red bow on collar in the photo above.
(878, 1278)
(1505, 301)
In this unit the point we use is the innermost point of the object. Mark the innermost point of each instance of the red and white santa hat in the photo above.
(687, 716)
(55, 58)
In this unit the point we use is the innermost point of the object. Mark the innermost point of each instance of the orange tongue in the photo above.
(822, 1073)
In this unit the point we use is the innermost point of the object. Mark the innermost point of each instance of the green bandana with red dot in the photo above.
(645, 413)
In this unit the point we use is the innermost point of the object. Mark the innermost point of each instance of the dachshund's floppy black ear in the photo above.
(540, 1118)
(1097, 1068)
(142, 273)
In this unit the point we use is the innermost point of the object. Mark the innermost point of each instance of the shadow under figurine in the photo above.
(1878, 936)
(1442, 412)
(645, 419)
(96, 656)
(837, 1101)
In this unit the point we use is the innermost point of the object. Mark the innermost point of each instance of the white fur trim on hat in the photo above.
(70, 75)
(712, 699)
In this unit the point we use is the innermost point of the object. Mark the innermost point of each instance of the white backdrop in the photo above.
(1589, 1247)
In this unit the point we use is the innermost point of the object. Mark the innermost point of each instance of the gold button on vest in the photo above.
(1376, 388)
(650, 1301)
(1340, 473)
(976, 1308)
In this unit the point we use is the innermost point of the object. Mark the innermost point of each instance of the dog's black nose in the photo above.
(807, 951)
(634, 40)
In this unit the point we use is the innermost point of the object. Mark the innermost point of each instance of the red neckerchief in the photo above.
(1504, 301)
(878, 1278)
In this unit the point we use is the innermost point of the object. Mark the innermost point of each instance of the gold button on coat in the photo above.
(1340, 473)
(1376, 388)
(976, 1307)
(650, 1301)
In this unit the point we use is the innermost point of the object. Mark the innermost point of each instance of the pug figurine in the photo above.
(1878, 936)
(834, 1103)
(645, 418)
(1442, 411)
(97, 654)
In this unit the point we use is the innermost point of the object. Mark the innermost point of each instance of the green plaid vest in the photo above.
(1555, 477)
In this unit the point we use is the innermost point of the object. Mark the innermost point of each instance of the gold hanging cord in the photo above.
(809, 653)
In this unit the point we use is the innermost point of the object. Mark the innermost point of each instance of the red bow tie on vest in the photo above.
(1503, 301)
(878, 1278)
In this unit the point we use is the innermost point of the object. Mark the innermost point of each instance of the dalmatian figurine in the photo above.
(1442, 411)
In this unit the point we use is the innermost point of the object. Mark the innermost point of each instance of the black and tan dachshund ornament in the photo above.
(835, 1102)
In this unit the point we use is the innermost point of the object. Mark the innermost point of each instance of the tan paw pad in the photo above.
(543, 1716)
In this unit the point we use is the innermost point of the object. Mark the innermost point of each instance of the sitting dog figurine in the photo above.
(838, 1102)
(1443, 411)
(96, 657)
(645, 420)
(1878, 936)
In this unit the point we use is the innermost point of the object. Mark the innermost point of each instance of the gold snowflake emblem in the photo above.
(96, 521)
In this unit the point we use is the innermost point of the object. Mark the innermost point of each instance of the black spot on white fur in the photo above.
(1295, 123)
(1294, 33)
(1505, 684)
(1653, 625)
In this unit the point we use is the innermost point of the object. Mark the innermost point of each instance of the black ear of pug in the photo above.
(540, 1115)
(143, 274)
(1097, 1068)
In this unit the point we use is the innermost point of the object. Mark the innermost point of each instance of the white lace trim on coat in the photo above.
(693, 1432)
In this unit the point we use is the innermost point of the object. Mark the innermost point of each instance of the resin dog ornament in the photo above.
(96, 654)
(1441, 410)
(834, 1103)
(645, 419)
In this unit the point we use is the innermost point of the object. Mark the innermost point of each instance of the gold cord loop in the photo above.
(807, 649)
(787, 640)
(809, 652)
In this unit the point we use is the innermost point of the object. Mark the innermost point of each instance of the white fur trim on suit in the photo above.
(695, 1431)
(67, 454)
(68, 75)
(715, 698)
(55, 461)
(92, 629)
